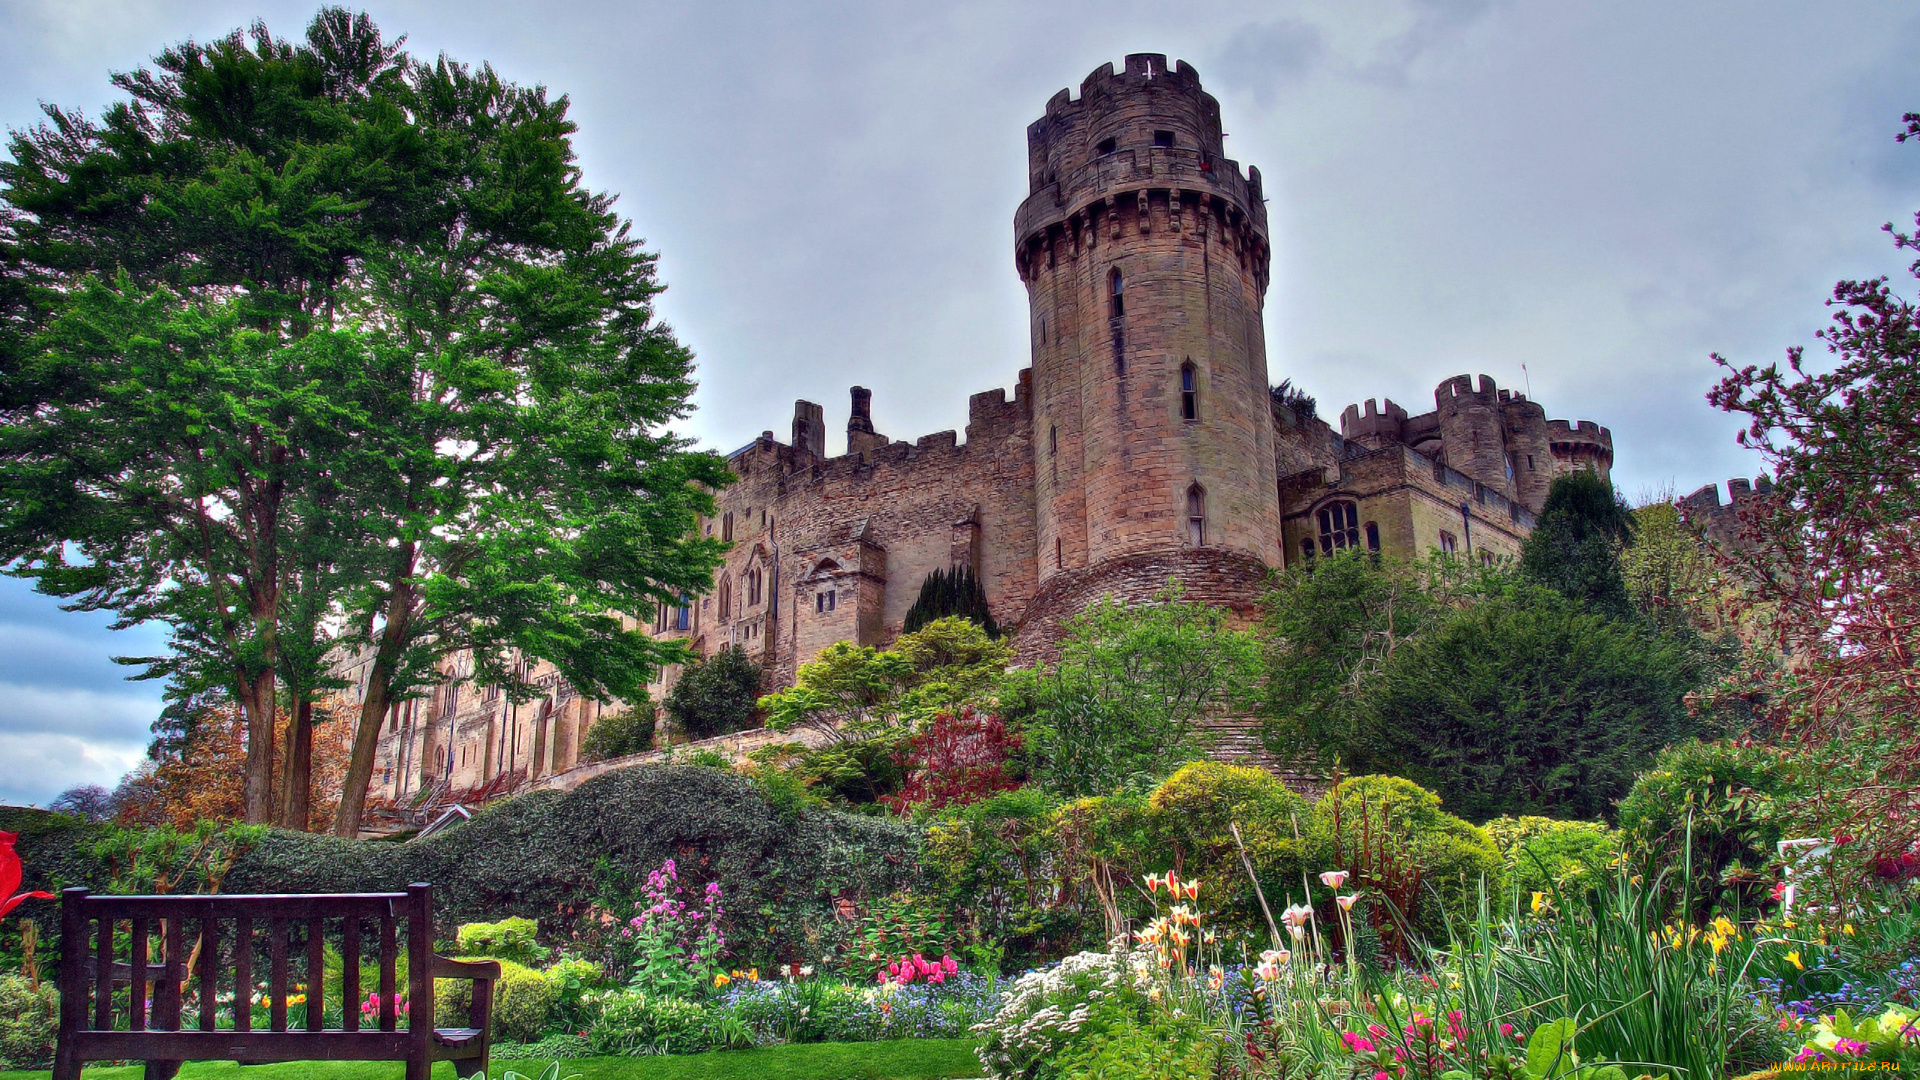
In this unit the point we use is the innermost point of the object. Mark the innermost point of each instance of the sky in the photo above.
(1585, 199)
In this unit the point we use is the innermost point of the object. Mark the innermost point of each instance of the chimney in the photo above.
(860, 434)
(810, 428)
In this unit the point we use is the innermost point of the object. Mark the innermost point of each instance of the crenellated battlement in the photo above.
(1370, 423)
(1706, 499)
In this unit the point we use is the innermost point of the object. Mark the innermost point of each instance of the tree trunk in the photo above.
(373, 709)
(258, 704)
(296, 792)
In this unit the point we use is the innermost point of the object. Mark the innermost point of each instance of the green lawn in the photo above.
(902, 1059)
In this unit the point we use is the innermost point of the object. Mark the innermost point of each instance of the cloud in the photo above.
(1270, 57)
(41, 765)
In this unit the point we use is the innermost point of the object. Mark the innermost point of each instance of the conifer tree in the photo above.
(951, 592)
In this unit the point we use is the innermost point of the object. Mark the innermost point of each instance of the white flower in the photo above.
(1333, 879)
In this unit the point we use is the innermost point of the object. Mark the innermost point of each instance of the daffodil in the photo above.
(1793, 957)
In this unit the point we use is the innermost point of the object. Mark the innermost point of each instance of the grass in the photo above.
(901, 1059)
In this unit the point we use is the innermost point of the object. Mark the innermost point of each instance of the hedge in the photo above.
(551, 855)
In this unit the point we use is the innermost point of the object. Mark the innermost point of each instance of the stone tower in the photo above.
(1145, 255)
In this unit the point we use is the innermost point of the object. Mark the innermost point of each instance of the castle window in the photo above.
(660, 619)
(1307, 549)
(726, 527)
(683, 616)
(1053, 453)
(1043, 329)
(1163, 138)
(1116, 294)
(726, 597)
(1529, 462)
(1448, 545)
(1373, 537)
(1107, 146)
(1339, 527)
(1189, 392)
(1059, 553)
(753, 587)
(1486, 558)
(823, 602)
(1197, 516)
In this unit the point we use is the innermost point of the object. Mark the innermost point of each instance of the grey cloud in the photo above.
(41, 766)
(1270, 57)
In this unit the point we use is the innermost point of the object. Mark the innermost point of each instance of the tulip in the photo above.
(1296, 915)
(1333, 879)
(1346, 902)
(10, 874)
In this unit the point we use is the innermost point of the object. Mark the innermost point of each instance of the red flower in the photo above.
(10, 877)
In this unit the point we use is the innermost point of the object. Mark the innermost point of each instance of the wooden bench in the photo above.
(228, 935)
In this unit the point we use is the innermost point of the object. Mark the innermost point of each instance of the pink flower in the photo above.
(1357, 1042)
(948, 965)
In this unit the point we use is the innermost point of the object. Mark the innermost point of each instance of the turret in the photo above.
(1581, 445)
(1374, 428)
(1471, 430)
(1144, 251)
(1528, 448)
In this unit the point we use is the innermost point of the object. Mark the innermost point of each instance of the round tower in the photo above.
(1145, 255)
(1529, 449)
(1470, 431)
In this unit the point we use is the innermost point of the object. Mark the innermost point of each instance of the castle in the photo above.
(1143, 446)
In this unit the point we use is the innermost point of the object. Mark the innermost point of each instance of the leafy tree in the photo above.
(618, 734)
(1124, 705)
(715, 696)
(1576, 543)
(1671, 576)
(1835, 546)
(1501, 695)
(310, 333)
(855, 692)
(1526, 703)
(945, 593)
(959, 757)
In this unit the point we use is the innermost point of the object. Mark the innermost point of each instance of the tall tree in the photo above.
(1575, 547)
(1835, 547)
(310, 333)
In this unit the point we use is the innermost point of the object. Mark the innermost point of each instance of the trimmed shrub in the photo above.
(715, 696)
(1730, 799)
(509, 939)
(648, 1024)
(522, 1004)
(1544, 855)
(29, 1020)
(1393, 836)
(617, 735)
(574, 983)
(1189, 827)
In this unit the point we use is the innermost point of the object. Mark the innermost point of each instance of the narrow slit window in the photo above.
(1189, 392)
(1116, 294)
(726, 527)
(1197, 516)
(1059, 553)
(1373, 537)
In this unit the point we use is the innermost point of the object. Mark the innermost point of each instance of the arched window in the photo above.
(726, 598)
(1197, 516)
(1339, 527)
(1189, 392)
(726, 527)
(1116, 294)
(753, 587)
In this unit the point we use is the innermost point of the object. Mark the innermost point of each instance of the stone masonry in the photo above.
(1142, 447)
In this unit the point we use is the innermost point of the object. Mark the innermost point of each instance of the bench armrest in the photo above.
(477, 970)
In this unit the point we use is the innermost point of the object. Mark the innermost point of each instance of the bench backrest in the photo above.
(228, 944)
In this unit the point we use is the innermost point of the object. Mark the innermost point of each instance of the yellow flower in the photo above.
(1539, 902)
(720, 978)
(1793, 958)
(1847, 929)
